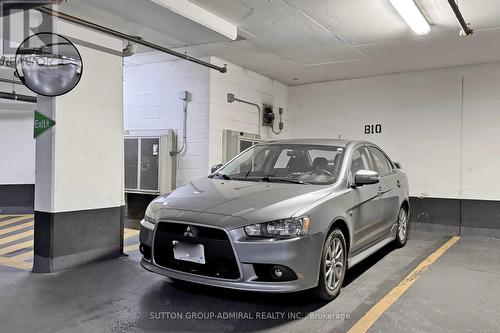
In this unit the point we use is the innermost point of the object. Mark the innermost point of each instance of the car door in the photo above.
(365, 216)
(388, 203)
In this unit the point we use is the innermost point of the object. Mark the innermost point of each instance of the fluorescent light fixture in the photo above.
(201, 16)
(412, 15)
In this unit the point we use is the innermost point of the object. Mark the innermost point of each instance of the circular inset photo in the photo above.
(49, 64)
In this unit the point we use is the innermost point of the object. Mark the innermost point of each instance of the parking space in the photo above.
(119, 295)
(457, 294)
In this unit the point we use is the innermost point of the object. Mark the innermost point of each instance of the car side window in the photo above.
(360, 161)
(382, 165)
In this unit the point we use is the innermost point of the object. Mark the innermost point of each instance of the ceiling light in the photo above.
(412, 15)
(201, 16)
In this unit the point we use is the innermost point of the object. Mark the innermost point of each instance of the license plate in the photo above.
(189, 252)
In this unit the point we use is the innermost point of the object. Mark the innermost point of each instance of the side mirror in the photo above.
(215, 168)
(366, 177)
(398, 165)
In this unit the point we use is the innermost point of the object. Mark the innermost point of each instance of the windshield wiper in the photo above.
(281, 179)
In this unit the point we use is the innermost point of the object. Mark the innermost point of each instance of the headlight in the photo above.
(285, 228)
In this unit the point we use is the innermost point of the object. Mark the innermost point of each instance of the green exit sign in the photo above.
(41, 124)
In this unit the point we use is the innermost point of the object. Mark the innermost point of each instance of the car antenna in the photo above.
(340, 136)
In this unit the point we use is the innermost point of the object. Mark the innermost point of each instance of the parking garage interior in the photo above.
(171, 88)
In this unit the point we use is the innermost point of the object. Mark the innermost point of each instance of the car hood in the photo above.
(247, 202)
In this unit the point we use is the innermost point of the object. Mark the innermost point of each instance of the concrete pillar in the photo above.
(79, 187)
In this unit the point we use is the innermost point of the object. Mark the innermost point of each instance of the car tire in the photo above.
(331, 279)
(402, 228)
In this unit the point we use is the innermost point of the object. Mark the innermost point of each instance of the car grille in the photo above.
(220, 261)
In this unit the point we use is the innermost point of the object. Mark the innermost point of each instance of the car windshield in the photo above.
(287, 163)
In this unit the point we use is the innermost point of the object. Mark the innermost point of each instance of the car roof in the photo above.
(322, 142)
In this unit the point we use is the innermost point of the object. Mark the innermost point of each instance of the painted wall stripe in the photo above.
(378, 309)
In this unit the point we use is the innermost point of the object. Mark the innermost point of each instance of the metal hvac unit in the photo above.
(149, 168)
(234, 142)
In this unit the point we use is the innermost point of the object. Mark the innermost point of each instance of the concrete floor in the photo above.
(458, 293)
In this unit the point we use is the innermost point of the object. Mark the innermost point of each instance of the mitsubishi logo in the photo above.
(188, 232)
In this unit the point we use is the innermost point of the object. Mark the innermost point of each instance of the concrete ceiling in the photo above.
(303, 41)
(142, 18)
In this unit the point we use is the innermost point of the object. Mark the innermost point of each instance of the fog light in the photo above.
(276, 273)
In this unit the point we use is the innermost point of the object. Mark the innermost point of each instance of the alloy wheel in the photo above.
(334, 263)
(402, 224)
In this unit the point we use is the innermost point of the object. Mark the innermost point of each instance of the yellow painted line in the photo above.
(131, 248)
(23, 256)
(16, 247)
(18, 261)
(15, 228)
(14, 220)
(15, 263)
(15, 215)
(378, 309)
(15, 237)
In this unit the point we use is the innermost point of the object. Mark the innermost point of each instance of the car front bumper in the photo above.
(302, 255)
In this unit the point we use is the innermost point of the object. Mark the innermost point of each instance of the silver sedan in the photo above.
(280, 217)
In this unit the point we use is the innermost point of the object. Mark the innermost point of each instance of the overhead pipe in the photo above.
(17, 97)
(130, 38)
(465, 27)
(6, 6)
(11, 81)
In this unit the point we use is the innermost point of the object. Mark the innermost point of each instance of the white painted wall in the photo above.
(481, 132)
(420, 113)
(152, 82)
(423, 126)
(79, 163)
(17, 146)
(249, 86)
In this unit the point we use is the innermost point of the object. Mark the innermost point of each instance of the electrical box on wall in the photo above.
(185, 95)
(149, 168)
(234, 142)
(267, 115)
